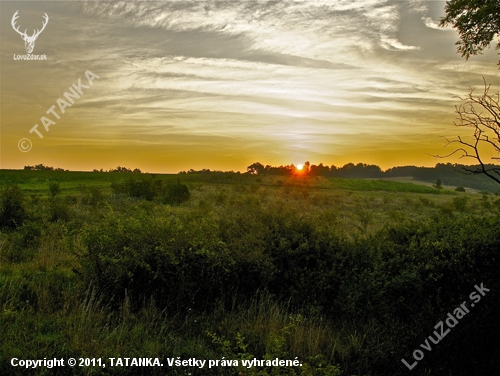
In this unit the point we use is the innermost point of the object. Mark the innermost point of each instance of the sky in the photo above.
(178, 85)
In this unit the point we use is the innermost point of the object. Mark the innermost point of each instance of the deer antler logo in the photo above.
(29, 41)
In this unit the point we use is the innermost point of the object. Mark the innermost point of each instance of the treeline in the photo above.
(120, 169)
(42, 167)
(449, 174)
(208, 171)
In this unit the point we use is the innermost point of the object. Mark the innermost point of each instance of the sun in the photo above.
(300, 166)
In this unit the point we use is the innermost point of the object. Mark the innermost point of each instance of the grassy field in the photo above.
(348, 276)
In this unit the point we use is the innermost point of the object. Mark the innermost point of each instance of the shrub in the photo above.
(59, 210)
(54, 189)
(143, 188)
(460, 189)
(91, 195)
(148, 188)
(177, 193)
(31, 233)
(174, 261)
(12, 207)
(460, 203)
(426, 202)
(71, 200)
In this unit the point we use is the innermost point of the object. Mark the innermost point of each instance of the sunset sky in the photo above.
(223, 84)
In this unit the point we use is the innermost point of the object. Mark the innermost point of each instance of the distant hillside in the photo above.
(453, 175)
(450, 174)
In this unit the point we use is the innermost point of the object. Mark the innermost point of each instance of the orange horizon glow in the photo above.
(177, 90)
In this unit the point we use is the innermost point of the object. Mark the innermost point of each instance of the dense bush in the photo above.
(12, 207)
(394, 284)
(419, 274)
(148, 188)
(176, 193)
(91, 195)
(59, 210)
(178, 262)
(145, 187)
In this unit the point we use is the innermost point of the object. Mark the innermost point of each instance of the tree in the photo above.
(482, 114)
(307, 168)
(319, 170)
(256, 168)
(438, 185)
(477, 22)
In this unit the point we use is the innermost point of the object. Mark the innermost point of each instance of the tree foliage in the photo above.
(477, 22)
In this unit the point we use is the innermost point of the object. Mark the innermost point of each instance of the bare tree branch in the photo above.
(482, 114)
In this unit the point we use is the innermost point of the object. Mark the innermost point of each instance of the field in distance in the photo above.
(353, 205)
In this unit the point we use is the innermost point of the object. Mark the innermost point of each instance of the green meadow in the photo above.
(348, 276)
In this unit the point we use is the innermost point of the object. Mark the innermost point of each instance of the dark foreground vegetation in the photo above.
(348, 276)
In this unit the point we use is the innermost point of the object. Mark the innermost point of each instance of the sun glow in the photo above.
(300, 167)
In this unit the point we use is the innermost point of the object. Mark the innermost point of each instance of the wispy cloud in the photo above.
(319, 29)
(273, 78)
(429, 22)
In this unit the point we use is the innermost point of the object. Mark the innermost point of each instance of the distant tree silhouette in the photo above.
(438, 185)
(319, 170)
(306, 169)
(124, 169)
(360, 170)
(255, 168)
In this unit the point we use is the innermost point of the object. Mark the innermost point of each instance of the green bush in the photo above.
(91, 195)
(460, 203)
(71, 200)
(54, 189)
(393, 285)
(12, 207)
(59, 210)
(31, 233)
(144, 187)
(176, 262)
(176, 193)
(148, 188)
